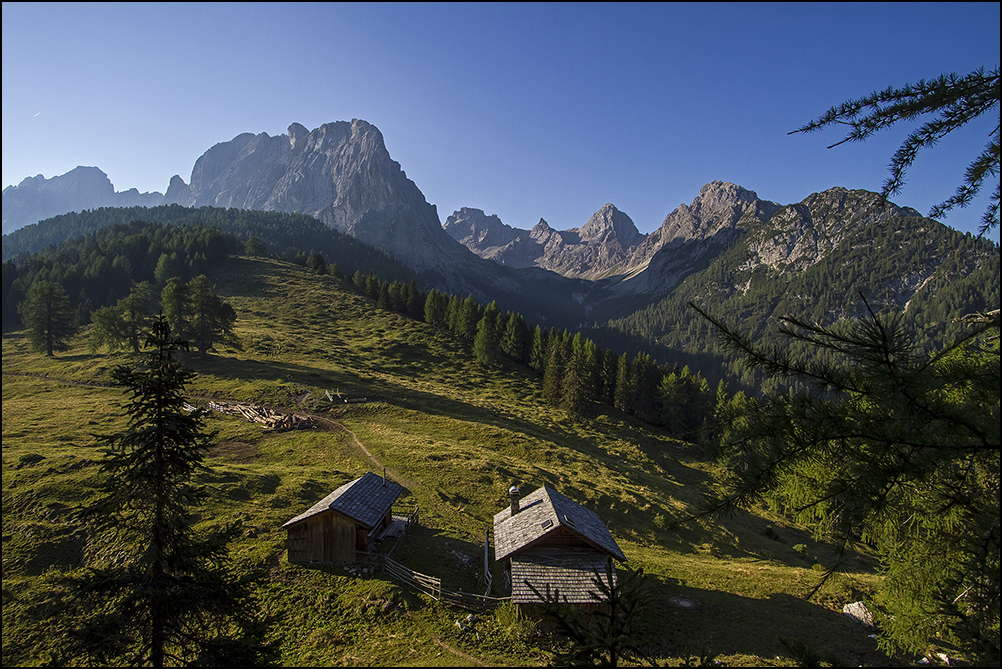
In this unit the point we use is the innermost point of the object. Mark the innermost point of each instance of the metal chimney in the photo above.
(513, 493)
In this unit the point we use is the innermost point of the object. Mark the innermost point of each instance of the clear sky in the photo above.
(526, 111)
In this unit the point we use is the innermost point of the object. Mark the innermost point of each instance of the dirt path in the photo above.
(337, 426)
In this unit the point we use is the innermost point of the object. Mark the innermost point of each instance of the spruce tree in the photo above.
(553, 374)
(415, 301)
(435, 307)
(672, 395)
(538, 350)
(155, 592)
(623, 394)
(485, 343)
(646, 378)
(48, 319)
(574, 386)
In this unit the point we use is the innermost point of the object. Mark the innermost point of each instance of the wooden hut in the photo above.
(547, 539)
(343, 523)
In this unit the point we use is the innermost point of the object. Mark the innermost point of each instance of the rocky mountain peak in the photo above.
(802, 234)
(339, 172)
(297, 135)
(608, 224)
(474, 229)
(542, 226)
(714, 212)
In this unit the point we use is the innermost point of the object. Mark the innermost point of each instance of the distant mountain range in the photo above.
(37, 198)
(342, 174)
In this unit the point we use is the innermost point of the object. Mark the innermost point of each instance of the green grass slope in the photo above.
(456, 436)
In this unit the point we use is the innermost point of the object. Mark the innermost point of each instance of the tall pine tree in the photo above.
(155, 592)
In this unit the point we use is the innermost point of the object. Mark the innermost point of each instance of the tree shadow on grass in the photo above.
(683, 620)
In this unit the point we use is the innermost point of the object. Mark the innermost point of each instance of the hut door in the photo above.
(361, 539)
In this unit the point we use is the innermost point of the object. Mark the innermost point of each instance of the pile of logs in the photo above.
(271, 419)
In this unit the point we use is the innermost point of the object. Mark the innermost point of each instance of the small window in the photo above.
(546, 524)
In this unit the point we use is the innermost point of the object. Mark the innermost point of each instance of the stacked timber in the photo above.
(271, 419)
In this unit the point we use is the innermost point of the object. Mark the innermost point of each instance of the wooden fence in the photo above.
(432, 587)
(429, 585)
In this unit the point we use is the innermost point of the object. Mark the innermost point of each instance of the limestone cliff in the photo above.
(341, 173)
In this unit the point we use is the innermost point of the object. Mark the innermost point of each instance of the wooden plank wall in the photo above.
(326, 537)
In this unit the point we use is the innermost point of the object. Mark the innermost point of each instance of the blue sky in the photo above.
(526, 111)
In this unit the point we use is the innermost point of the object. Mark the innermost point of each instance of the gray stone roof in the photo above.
(366, 500)
(545, 511)
(569, 571)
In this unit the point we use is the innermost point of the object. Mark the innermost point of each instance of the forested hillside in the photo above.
(925, 271)
(96, 255)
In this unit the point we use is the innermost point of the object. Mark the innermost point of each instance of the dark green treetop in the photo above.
(48, 318)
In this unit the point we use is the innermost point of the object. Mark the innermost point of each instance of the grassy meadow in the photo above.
(456, 436)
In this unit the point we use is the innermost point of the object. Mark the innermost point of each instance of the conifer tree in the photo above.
(384, 301)
(672, 394)
(175, 300)
(610, 364)
(169, 266)
(137, 310)
(453, 310)
(317, 263)
(593, 361)
(538, 350)
(47, 317)
(126, 322)
(646, 378)
(485, 343)
(515, 338)
(553, 374)
(415, 301)
(469, 315)
(887, 446)
(212, 319)
(435, 307)
(254, 247)
(574, 386)
(623, 397)
(154, 592)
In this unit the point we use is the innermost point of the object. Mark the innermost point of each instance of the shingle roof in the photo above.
(366, 500)
(544, 511)
(570, 572)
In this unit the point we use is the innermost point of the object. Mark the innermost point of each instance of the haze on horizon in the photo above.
(526, 111)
